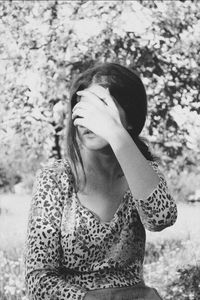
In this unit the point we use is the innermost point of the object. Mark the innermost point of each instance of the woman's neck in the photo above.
(101, 163)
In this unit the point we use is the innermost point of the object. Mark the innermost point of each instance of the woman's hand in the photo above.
(97, 111)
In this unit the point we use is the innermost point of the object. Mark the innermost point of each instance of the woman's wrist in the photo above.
(115, 134)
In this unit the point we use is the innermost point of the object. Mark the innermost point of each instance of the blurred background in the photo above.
(43, 46)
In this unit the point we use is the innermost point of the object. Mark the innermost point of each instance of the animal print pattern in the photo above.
(70, 251)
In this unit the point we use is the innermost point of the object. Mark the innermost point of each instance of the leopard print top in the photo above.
(69, 250)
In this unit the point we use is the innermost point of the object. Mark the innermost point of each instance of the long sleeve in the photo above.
(159, 210)
(43, 252)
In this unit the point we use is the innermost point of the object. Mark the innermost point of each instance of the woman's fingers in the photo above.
(97, 93)
(103, 94)
(86, 95)
(83, 108)
(79, 122)
(87, 104)
(93, 114)
(79, 112)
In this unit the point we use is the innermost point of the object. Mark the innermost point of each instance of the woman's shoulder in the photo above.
(53, 185)
(58, 170)
(59, 166)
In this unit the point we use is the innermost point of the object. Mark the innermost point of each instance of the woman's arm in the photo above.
(42, 255)
(155, 205)
(141, 177)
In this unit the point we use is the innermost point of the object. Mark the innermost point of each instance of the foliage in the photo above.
(8, 178)
(154, 251)
(12, 278)
(172, 268)
(187, 286)
(44, 44)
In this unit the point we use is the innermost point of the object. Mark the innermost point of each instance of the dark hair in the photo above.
(127, 89)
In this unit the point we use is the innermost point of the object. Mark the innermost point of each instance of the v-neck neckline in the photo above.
(92, 213)
(95, 216)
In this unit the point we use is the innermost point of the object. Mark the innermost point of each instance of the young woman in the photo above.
(86, 230)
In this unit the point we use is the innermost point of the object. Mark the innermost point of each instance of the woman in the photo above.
(86, 236)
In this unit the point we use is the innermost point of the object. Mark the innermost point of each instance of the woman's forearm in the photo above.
(141, 177)
(148, 186)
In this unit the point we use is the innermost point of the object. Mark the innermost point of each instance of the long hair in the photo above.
(127, 89)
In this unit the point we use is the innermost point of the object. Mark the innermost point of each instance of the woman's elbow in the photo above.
(164, 222)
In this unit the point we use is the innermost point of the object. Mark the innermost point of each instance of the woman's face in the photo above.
(93, 141)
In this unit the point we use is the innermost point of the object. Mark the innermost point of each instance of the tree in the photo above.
(44, 46)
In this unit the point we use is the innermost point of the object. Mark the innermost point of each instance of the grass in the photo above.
(13, 220)
(172, 256)
(173, 251)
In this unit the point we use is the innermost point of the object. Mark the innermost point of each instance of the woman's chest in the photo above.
(86, 240)
(102, 200)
